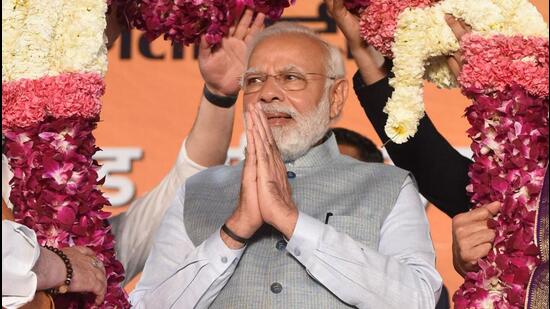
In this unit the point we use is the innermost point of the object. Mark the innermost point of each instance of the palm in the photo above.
(222, 68)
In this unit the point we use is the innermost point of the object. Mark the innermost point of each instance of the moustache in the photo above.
(279, 108)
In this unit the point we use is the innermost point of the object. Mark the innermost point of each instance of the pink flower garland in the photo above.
(379, 20)
(48, 126)
(510, 144)
(26, 102)
(55, 192)
(186, 20)
(496, 64)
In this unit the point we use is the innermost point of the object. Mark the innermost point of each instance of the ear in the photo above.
(338, 96)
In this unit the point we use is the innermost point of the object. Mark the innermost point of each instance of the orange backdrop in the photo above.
(152, 96)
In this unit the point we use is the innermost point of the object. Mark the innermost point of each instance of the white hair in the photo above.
(334, 62)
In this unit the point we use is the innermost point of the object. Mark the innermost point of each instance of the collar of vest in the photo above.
(318, 155)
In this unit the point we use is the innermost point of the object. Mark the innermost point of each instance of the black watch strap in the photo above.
(233, 235)
(220, 101)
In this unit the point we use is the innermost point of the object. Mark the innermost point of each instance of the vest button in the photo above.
(276, 288)
(280, 245)
(291, 174)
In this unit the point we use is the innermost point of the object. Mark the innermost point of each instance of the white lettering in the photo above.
(118, 160)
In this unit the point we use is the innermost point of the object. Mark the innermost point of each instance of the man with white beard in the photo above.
(305, 227)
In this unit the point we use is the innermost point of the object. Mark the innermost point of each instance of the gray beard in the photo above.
(296, 140)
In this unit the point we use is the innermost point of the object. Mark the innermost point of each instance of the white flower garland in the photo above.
(81, 46)
(13, 18)
(422, 37)
(47, 38)
(30, 51)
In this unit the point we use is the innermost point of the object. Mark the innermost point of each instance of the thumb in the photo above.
(204, 47)
(454, 65)
(459, 28)
(493, 207)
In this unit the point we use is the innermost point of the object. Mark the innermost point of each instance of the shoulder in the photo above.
(352, 165)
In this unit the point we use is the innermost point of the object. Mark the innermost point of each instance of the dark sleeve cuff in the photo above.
(358, 83)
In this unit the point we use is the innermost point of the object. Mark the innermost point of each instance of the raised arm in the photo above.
(221, 69)
(441, 172)
(206, 145)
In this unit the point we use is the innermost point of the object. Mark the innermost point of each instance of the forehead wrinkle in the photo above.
(286, 68)
(290, 67)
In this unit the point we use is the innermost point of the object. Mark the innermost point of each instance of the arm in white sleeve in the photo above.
(179, 275)
(401, 274)
(20, 251)
(7, 175)
(135, 228)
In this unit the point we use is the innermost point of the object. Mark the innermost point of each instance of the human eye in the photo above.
(292, 76)
(253, 80)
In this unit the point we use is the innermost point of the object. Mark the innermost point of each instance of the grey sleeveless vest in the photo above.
(359, 195)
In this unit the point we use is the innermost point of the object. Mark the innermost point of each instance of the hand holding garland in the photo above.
(88, 275)
(369, 61)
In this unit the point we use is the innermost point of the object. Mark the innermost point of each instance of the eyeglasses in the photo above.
(290, 81)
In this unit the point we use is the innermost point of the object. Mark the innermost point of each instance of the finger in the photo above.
(457, 28)
(479, 238)
(263, 174)
(454, 65)
(99, 280)
(493, 208)
(265, 131)
(470, 266)
(463, 232)
(257, 26)
(204, 48)
(99, 300)
(85, 250)
(276, 155)
(231, 31)
(101, 268)
(479, 252)
(95, 261)
(100, 274)
(259, 125)
(464, 25)
(261, 151)
(338, 5)
(266, 127)
(244, 23)
(100, 292)
(336, 8)
(480, 214)
(334, 5)
(274, 161)
(330, 6)
(250, 143)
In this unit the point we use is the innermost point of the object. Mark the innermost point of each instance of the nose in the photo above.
(271, 91)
